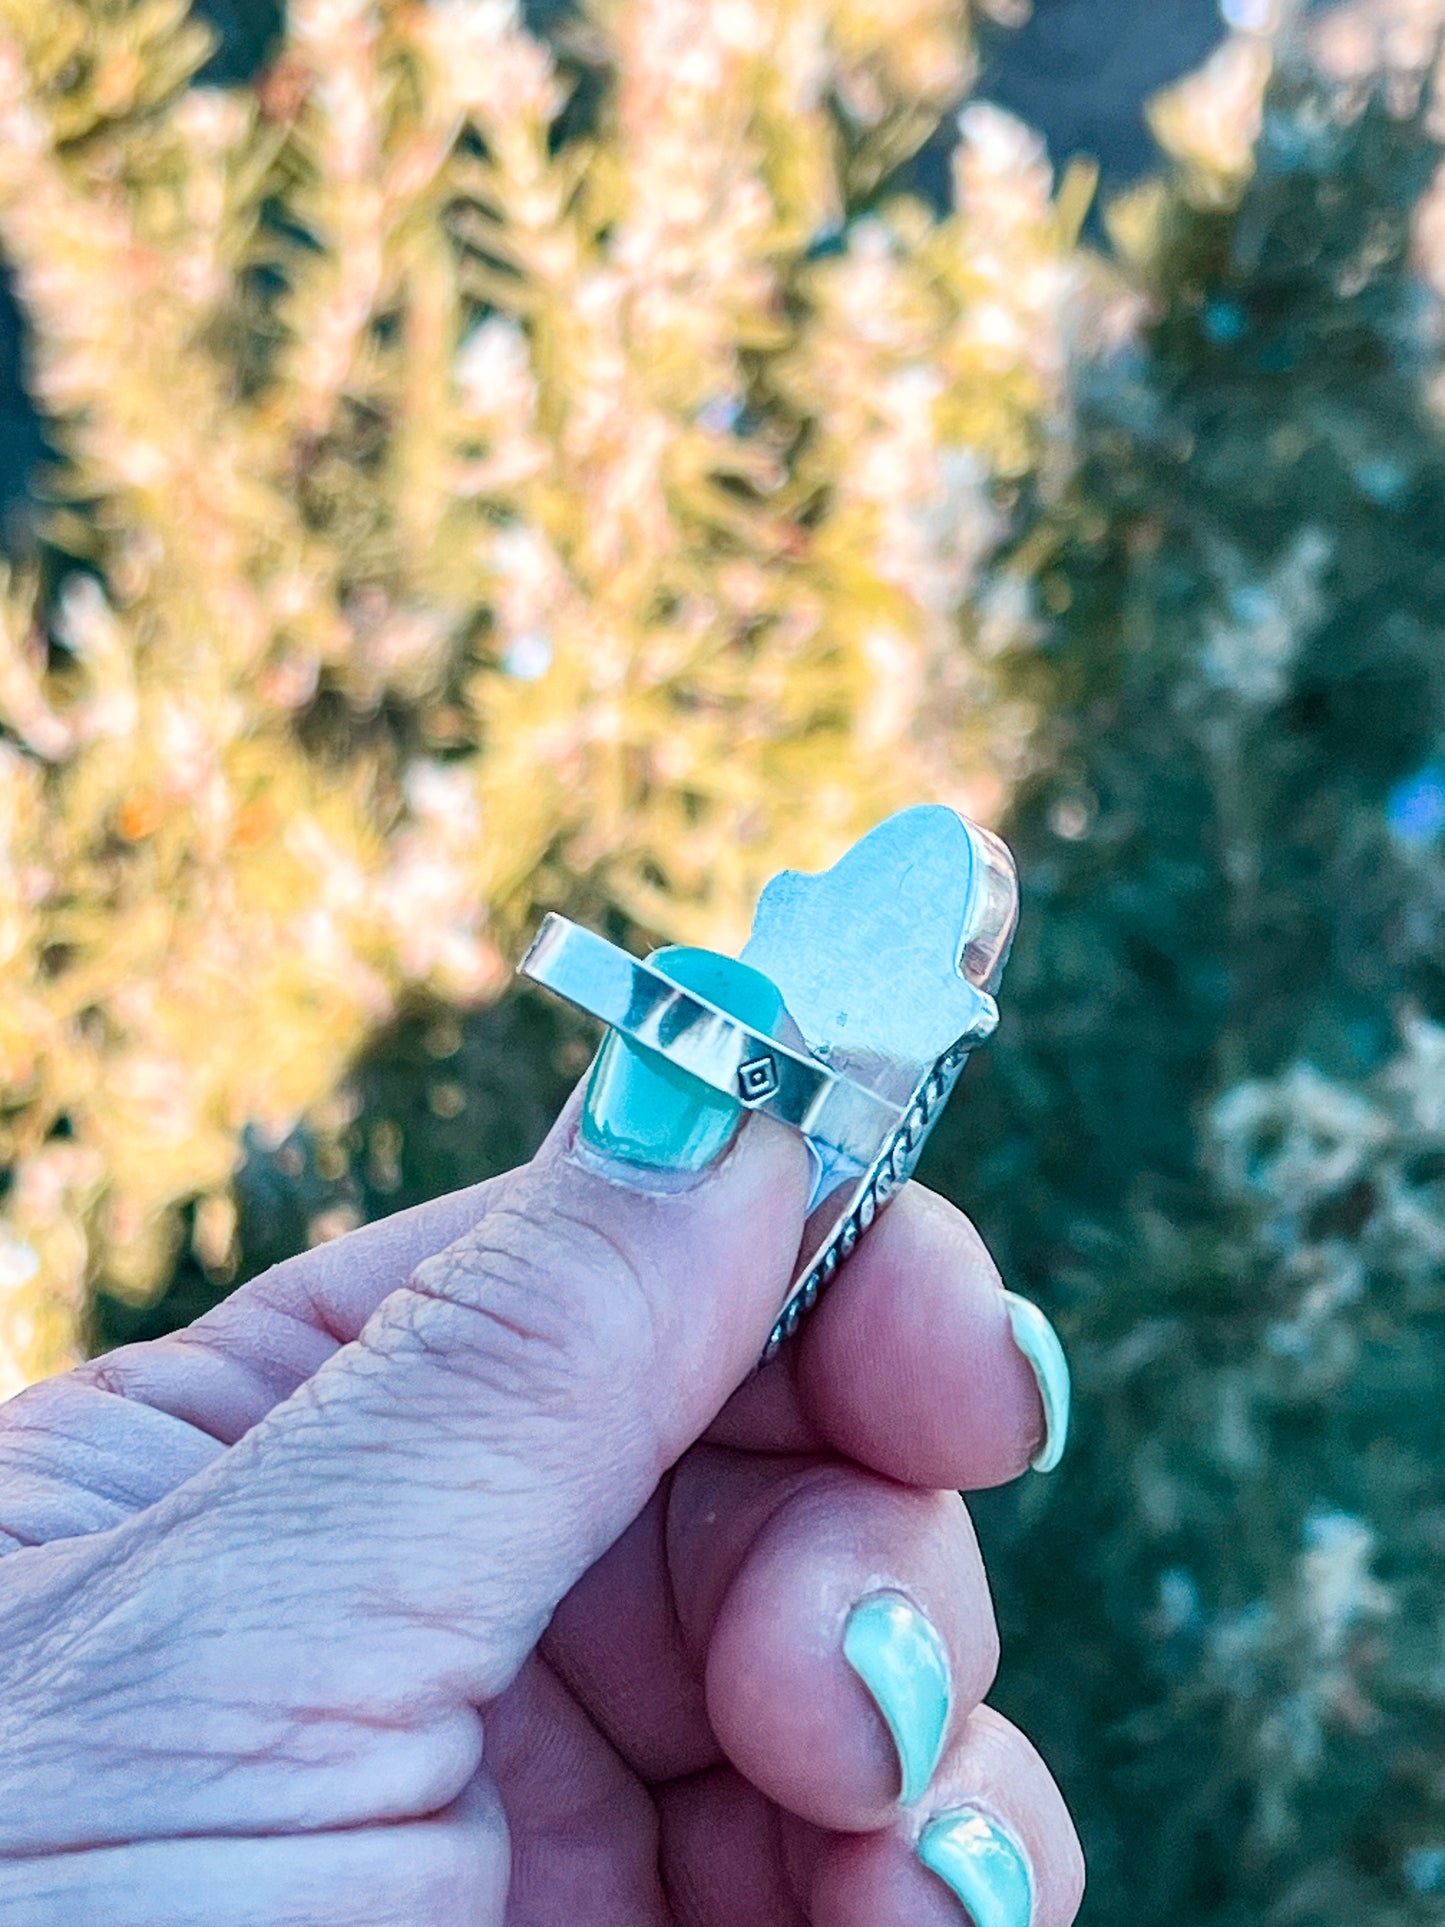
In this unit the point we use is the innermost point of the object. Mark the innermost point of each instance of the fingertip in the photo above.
(910, 1365)
(992, 1844)
(854, 1637)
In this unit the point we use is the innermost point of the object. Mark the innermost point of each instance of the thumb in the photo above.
(383, 1550)
(507, 1413)
(529, 1385)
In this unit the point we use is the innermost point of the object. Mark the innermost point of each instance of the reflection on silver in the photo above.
(887, 964)
(782, 1080)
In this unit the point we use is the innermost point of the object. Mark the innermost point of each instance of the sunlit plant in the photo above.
(489, 476)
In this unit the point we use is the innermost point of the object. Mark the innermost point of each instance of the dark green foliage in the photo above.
(1223, 1619)
(441, 1099)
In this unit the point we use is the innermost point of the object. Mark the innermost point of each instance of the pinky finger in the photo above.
(991, 1846)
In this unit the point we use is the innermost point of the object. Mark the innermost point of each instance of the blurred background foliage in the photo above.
(598, 461)
(489, 475)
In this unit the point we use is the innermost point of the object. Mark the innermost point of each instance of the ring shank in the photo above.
(756, 1070)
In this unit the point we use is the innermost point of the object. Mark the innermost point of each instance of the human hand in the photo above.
(460, 1572)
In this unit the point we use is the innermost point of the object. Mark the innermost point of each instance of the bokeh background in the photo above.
(460, 462)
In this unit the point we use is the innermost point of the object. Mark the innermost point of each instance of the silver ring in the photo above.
(756, 1070)
(887, 966)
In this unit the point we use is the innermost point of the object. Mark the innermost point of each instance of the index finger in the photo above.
(909, 1365)
(80, 1452)
(224, 1373)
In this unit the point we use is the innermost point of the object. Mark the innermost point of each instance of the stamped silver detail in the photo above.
(757, 1080)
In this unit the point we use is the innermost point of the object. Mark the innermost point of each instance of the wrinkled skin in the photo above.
(460, 1572)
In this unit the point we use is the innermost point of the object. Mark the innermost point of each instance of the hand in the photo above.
(460, 1572)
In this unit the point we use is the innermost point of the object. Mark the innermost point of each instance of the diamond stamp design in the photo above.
(757, 1080)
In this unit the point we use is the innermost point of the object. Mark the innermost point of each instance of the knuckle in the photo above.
(107, 1373)
(534, 1299)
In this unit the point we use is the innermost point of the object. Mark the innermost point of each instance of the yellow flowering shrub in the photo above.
(469, 503)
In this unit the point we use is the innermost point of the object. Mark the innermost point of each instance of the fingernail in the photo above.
(641, 1109)
(981, 1865)
(1039, 1343)
(899, 1657)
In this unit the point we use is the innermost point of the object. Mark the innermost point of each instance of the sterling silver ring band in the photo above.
(749, 1066)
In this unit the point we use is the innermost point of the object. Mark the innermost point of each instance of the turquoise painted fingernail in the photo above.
(981, 1865)
(643, 1110)
(900, 1658)
(1039, 1343)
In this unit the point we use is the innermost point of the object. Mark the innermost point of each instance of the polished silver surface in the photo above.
(887, 964)
(867, 954)
(757, 1070)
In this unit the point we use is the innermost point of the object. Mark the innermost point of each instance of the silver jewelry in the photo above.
(887, 964)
